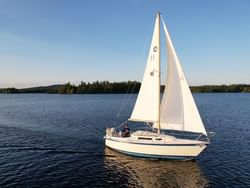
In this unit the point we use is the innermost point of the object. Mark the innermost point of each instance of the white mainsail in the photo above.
(178, 109)
(147, 105)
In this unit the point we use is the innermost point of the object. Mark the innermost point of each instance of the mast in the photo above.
(159, 73)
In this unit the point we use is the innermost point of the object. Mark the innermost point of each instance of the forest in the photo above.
(120, 87)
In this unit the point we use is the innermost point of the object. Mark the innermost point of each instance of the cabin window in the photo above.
(144, 138)
(158, 139)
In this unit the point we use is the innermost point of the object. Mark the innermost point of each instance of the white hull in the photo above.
(168, 147)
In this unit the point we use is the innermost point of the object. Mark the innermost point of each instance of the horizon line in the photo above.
(91, 82)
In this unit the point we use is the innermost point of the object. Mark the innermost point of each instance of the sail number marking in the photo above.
(155, 49)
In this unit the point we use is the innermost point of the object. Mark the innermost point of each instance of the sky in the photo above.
(46, 42)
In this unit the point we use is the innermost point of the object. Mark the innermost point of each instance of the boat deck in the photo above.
(146, 137)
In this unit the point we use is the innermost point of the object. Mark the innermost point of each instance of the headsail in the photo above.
(178, 109)
(147, 105)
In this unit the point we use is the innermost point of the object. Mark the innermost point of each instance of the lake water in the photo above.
(57, 141)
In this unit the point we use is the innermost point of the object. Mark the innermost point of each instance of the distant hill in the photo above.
(119, 87)
(40, 89)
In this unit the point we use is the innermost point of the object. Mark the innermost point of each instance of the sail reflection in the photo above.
(153, 173)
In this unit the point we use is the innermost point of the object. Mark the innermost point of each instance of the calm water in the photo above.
(57, 141)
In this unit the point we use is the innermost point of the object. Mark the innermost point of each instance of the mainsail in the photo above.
(178, 109)
(147, 105)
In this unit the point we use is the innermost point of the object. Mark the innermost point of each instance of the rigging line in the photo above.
(130, 94)
(147, 40)
(120, 109)
(121, 124)
(125, 102)
(151, 127)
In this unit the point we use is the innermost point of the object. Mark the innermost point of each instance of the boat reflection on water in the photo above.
(137, 172)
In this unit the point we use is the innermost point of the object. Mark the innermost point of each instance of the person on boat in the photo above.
(125, 131)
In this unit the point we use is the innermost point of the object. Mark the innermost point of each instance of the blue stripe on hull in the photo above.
(170, 157)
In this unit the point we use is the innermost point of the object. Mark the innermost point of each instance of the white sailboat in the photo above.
(175, 111)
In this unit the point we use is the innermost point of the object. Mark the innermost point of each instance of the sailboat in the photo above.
(176, 110)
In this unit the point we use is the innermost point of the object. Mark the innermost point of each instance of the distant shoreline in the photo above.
(106, 87)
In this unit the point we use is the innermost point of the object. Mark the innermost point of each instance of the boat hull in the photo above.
(161, 151)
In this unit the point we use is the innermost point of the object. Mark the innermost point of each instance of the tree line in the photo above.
(236, 88)
(100, 87)
(119, 87)
(82, 88)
